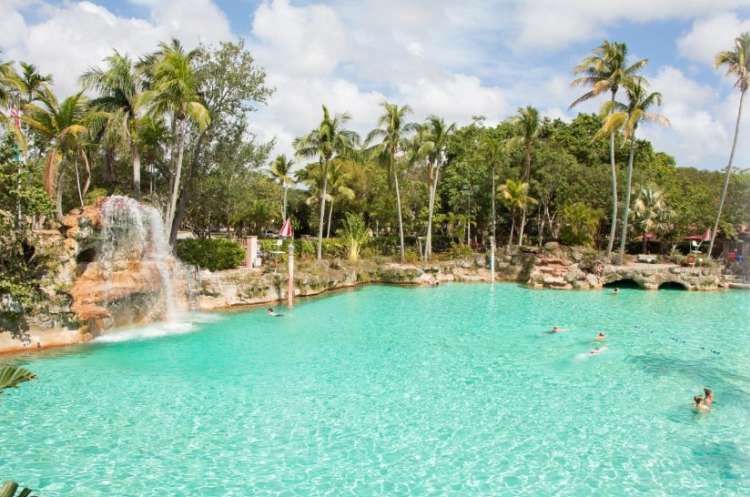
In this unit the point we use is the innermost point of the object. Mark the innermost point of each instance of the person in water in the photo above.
(273, 313)
(556, 329)
(700, 405)
(597, 350)
(708, 398)
(616, 291)
(600, 337)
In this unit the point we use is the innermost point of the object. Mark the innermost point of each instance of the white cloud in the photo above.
(709, 36)
(554, 23)
(70, 38)
(698, 134)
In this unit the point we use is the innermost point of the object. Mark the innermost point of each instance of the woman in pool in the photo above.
(600, 337)
(709, 397)
(699, 404)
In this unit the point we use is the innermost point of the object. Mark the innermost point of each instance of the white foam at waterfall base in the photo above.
(131, 229)
(187, 324)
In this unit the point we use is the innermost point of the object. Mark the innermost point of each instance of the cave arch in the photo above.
(623, 283)
(673, 285)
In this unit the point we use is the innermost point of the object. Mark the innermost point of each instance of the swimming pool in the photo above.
(387, 391)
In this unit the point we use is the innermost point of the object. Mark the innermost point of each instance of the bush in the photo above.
(579, 224)
(213, 254)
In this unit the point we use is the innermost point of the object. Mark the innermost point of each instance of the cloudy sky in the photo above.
(455, 59)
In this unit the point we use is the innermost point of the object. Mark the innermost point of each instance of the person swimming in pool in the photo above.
(615, 291)
(556, 329)
(273, 313)
(700, 405)
(598, 350)
(708, 398)
(600, 337)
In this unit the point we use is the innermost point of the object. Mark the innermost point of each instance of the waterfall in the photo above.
(133, 232)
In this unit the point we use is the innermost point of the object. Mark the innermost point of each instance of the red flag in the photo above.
(286, 230)
(16, 115)
(707, 235)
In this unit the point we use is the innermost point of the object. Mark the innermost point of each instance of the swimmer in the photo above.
(600, 337)
(709, 397)
(615, 291)
(597, 350)
(699, 404)
(273, 313)
(556, 329)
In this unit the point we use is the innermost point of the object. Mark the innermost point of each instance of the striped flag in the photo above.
(286, 229)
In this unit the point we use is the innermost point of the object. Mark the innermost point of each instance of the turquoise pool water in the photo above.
(386, 391)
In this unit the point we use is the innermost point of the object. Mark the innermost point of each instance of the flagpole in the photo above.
(290, 269)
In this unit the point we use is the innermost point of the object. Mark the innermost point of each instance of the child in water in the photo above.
(708, 398)
(273, 313)
(600, 337)
(699, 404)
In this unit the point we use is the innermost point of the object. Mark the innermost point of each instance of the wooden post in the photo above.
(492, 259)
(290, 283)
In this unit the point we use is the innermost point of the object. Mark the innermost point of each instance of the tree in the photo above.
(434, 145)
(628, 117)
(173, 93)
(120, 89)
(580, 222)
(527, 126)
(30, 84)
(338, 186)
(515, 194)
(604, 70)
(737, 62)
(64, 128)
(281, 171)
(392, 130)
(651, 212)
(325, 142)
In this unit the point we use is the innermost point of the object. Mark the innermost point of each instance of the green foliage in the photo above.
(214, 254)
(354, 234)
(580, 224)
(460, 251)
(11, 377)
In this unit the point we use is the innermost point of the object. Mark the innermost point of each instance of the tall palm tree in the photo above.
(527, 127)
(605, 70)
(515, 195)
(325, 142)
(120, 88)
(281, 171)
(435, 146)
(339, 179)
(173, 92)
(64, 128)
(391, 131)
(737, 62)
(627, 117)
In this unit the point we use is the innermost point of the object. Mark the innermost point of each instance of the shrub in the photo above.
(460, 251)
(355, 234)
(213, 254)
(579, 224)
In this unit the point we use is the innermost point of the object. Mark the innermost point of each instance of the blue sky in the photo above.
(456, 59)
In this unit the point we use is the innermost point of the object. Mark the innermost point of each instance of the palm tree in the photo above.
(64, 127)
(649, 209)
(392, 130)
(30, 84)
(281, 169)
(515, 195)
(628, 117)
(737, 62)
(606, 70)
(527, 127)
(11, 377)
(325, 142)
(173, 92)
(434, 145)
(120, 87)
(338, 186)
